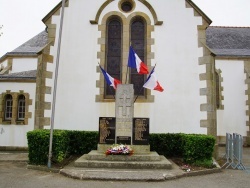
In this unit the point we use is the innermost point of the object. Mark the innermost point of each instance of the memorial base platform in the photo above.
(96, 159)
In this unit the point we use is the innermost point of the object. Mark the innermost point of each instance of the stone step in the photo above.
(162, 164)
(95, 155)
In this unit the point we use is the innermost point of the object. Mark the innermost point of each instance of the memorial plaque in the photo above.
(140, 131)
(106, 130)
(123, 140)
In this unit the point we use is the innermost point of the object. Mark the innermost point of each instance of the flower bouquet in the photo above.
(119, 149)
(186, 168)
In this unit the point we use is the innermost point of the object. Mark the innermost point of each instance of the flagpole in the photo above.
(126, 75)
(108, 87)
(127, 63)
(138, 95)
(143, 84)
(55, 85)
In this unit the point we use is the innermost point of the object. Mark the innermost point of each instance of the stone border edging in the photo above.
(175, 173)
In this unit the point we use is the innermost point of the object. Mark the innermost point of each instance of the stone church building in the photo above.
(204, 70)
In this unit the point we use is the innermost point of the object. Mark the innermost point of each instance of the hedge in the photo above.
(169, 144)
(82, 142)
(197, 148)
(191, 147)
(65, 143)
(38, 146)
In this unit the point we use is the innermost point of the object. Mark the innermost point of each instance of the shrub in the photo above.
(61, 144)
(197, 148)
(82, 142)
(38, 146)
(168, 144)
(191, 148)
(205, 163)
(65, 143)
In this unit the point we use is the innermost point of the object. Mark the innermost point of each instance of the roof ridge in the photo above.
(230, 26)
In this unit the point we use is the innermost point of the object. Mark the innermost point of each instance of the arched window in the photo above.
(8, 107)
(21, 107)
(113, 52)
(138, 42)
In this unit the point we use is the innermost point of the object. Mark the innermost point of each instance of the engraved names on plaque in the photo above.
(141, 131)
(106, 130)
(124, 111)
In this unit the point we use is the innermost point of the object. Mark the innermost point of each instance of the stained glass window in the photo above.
(138, 43)
(113, 53)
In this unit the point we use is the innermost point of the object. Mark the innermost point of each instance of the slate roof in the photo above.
(229, 41)
(31, 47)
(28, 75)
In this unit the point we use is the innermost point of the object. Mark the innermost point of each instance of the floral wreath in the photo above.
(119, 149)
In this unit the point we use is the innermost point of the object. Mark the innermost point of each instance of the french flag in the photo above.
(152, 82)
(109, 79)
(135, 62)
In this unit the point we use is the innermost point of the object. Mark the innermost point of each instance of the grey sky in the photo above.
(21, 19)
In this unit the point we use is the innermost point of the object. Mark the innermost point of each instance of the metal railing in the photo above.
(234, 149)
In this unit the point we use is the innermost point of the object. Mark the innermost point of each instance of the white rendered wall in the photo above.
(23, 64)
(15, 135)
(233, 118)
(176, 50)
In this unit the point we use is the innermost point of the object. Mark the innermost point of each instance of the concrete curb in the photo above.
(155, 175)
(104, 177)
(125, 174)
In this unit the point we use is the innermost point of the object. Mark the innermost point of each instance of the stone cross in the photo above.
(124, 112)
(124, 102)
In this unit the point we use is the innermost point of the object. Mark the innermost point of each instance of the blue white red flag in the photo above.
(109, 79)
(135, 62)
(152, 82)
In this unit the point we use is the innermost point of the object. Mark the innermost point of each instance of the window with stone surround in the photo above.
(14, 108)
(138, 42)
(126, 5)
(113, 52)
(134, 30)
(21, 107)
(8, 107)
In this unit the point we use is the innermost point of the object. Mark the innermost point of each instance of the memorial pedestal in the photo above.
(95, 159)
